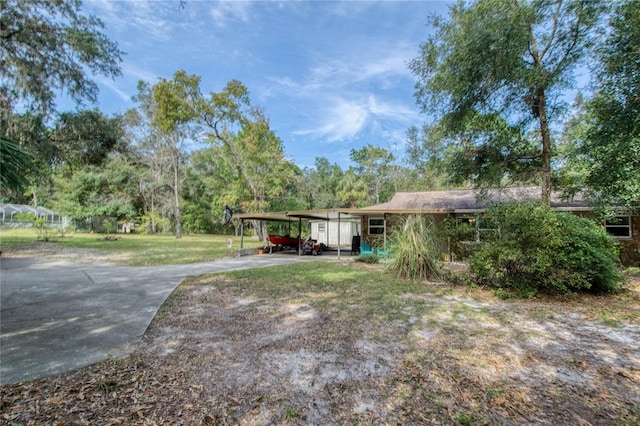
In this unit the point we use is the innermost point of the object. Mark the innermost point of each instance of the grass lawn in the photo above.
(122, 249)
(341, 342)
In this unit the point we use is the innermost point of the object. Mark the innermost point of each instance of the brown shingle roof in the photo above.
(470, 200)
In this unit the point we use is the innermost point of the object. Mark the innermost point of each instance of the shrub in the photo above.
(414, 249)
(43, 230)
(539, 251)
(368, 258)
(461, 238)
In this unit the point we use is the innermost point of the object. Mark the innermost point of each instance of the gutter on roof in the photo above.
(555, 209)
(364, 212)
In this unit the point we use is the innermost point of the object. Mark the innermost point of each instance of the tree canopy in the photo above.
(613, 115)
(48, 46)
(511, 59)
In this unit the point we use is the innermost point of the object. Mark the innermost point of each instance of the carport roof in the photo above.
(320, 214)
(274, 216)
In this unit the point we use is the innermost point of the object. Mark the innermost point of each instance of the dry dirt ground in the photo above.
(219, 352)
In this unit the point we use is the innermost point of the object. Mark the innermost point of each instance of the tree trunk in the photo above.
(176, 194)
(260, 230)
(545, 176)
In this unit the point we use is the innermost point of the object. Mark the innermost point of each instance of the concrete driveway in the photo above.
(58, 316)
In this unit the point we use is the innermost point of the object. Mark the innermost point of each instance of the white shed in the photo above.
(326, 232)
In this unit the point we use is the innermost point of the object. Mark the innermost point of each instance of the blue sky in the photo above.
(331, 76)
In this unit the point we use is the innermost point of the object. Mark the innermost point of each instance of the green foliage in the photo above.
(44, 231)
(352, 190)
(613, 139)
(26, 217)
(368, 258)
(316, 187)
(461, 238)
(196, 218)
(490, 73)
(154, 223)
(245, 164)
(85, 138)
(540, 251)
(110, 226)
(15, 163)
(415, 249)
(427, 160)
(373, 165)
(94, 191)
(47, 46)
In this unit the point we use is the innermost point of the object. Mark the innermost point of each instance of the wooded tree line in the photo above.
(491, 77)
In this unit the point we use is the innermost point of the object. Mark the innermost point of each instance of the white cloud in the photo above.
(393, 111)
(129, 70)
(224, 11)
(340, 121)
(393, 61)
(144, 16)
(111, 85)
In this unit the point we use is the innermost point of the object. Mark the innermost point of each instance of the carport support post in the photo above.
(241, 233)
(384, 216)
(339, 230)
(300, 236)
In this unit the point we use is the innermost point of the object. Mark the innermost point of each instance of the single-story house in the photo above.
(467, 205)
(345, 227)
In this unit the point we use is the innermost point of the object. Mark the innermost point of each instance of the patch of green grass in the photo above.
(290, 414)
(368, 258)
(632, 271)
(612, 319)
(464, 419)
(131, 249)
(16, 237)
(347, 290)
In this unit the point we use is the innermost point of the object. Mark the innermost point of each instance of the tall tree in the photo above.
(94, 192)
(163, 147)
(48, 46)
(328, 177)
(511, 59)
(85, 138)
(240, 130)
(613, 115)
(373, 166)
(352, 190)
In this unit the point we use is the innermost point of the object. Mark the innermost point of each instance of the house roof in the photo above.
(467, 201)
(430, 202)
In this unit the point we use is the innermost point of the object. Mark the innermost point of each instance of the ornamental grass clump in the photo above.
(414, 249)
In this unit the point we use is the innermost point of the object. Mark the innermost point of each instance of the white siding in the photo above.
(327, 232)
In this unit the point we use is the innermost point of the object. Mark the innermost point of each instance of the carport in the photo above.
(328, 215)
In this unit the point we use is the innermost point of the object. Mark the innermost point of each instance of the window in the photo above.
(466, 220)
(322, 227)
(376, 226)
(478, 228)
(618, 226)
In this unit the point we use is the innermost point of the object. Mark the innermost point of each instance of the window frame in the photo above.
(607, 226)
(380, 227)
(476, 221)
